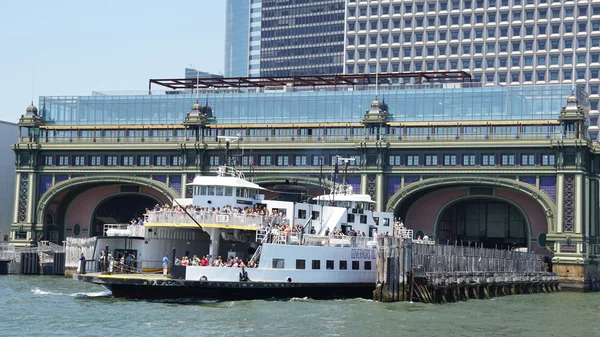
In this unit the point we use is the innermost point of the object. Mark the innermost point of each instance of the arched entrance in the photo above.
(120, 209)
(75, 201)
(492, 223)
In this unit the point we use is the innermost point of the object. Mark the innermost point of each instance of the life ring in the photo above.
(203, 278)
(288, 280)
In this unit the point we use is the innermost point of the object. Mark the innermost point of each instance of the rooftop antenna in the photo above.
(197, 80)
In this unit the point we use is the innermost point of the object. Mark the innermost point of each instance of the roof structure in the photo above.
(313, 80)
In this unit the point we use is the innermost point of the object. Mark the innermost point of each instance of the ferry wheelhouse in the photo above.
(321, 249)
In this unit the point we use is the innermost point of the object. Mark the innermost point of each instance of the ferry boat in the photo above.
(321, 249)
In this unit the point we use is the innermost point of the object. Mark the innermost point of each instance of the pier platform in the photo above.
(410, 271)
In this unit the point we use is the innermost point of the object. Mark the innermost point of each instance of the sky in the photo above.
(77, 46)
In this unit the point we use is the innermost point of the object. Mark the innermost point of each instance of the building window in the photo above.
(316, 264)
(394, 160)
(450, 160)
(95, 161)
(63, 160)
(144, 160)
(112, 161)
(317, 160)
(488, 160)
(300, 161)
(176, 160)
(48, 160)
(527, 160)
(127, 160)
(79, 160)
(412, 160)
(469, 160)
(548, 160)
(282, 160)
(507, 160)
(431, 160)
(213, 160)
(264, 161)
(160, 161)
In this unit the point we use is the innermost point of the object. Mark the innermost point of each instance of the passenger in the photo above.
(425, 239)
(177, 261)
(165, 265)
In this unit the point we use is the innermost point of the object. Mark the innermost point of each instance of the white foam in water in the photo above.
(38, 291)
(103, 293)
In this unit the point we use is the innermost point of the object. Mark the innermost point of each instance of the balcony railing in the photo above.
(392, 138)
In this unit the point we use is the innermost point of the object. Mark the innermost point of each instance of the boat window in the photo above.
(196, 190)
(376, 219)
(355, 265)
(300, 264)
(329, 264)
(386, 221)
(238, 192)
(244, 193)
(343, 265)
(315, 215)
(219, 190)
(228, 191)
(203, 190)
(316, 264)
(301, 214)
(278, 263)
(367, 265)
(351, 218)
(211, 190)
(363, 218)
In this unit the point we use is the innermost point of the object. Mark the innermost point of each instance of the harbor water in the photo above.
(55, 306)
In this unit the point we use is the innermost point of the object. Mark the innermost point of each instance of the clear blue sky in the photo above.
(79, 46)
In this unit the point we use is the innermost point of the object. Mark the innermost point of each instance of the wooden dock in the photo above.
(408, 271)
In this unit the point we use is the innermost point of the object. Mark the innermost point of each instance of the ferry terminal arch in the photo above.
(539, 196)
(55, 190)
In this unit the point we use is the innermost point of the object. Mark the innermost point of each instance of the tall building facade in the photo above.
(508, 42)
(242, 26)
(284, 38)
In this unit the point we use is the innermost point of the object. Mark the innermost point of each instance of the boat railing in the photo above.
(227, 219)
(124, 230)
(295, 238)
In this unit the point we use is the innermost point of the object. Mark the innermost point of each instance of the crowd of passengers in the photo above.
(208, 261)
(227, 209)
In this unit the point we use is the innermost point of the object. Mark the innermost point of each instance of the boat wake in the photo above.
(300, 299)
(93, 294)
(105, 293)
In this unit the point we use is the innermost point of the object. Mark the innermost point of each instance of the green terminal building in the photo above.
(500, 166)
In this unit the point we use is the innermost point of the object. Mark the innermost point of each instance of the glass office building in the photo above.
(283, 38)
(237, 38)
(510, 42)
(334, 104)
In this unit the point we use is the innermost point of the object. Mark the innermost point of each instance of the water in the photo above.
(55, 306)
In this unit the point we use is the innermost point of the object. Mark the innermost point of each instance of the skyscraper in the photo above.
(510, 42)
(283, 38)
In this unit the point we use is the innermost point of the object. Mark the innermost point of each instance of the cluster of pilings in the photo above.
(408, 271)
